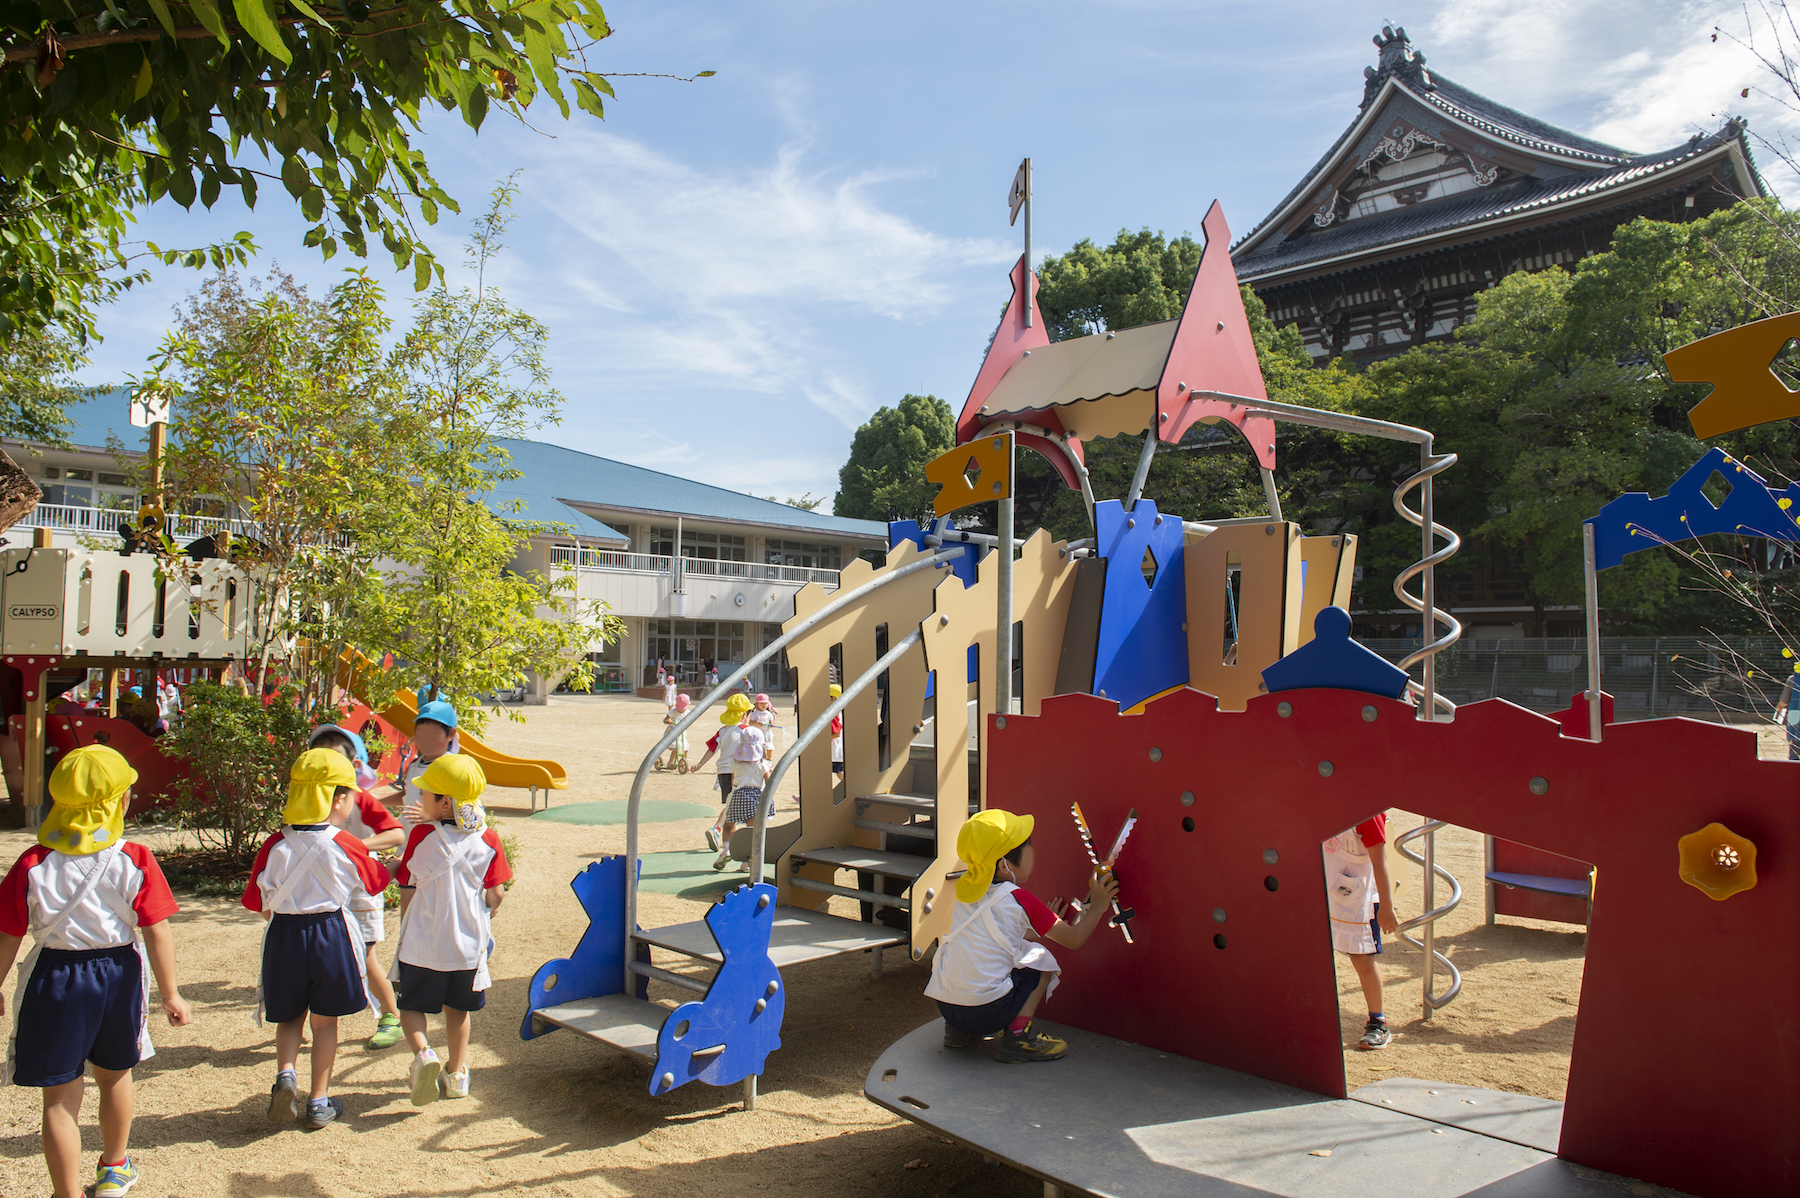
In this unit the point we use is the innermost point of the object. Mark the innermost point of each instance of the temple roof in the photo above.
(1488, 163)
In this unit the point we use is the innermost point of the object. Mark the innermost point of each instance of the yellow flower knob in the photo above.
(1717, 861)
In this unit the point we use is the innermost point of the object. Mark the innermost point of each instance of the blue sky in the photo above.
(737, 271)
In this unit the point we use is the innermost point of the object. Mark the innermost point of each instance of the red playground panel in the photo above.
(1232, 963)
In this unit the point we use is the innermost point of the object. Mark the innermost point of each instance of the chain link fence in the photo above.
(1730, 678)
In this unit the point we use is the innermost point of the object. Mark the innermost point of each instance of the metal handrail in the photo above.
(1428, 918)
(635, 802)
(837, 705)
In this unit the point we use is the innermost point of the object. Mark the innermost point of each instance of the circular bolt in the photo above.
(1131, 524)
(930, 894)
(762, 902)
(1271, 884)
(928, 908)
(999, 721)
(762, 1004)
(1159, 522)
(1369, 713)
(772, 988)
(1156, 754)
(668, 1079)
(1270, 856)
(1000, 442)
(1539, 786)
(1284, 709)
(1187, 798)
(1218, 915)
(1187, 823)
(1268, 530)
(1326, 769)
(1219, 940)
(1726, 857)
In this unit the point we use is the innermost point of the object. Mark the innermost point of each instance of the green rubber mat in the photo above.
(690, 875)
(612, 811)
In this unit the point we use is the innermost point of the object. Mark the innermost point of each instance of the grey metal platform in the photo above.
(917, 803)
(1114, 1118)
(627, 1023)
(799, 935)
(872, 861)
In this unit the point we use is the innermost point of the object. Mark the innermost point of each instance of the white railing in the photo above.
(565, 557)
(107, 521)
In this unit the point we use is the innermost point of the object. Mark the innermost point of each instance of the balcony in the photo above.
(106, 522)
(565, 557)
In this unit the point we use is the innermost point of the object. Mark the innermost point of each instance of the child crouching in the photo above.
(452, 878)
(312, 954)
(83, 997)
(992, 969)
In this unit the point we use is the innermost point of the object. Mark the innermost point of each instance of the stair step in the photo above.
(873, 861)
(923, 804)
(799, 935)
(625, 1022)
(863, 896)
(657, 974)
(874, 825)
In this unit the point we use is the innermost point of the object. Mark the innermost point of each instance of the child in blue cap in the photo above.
(434, 735)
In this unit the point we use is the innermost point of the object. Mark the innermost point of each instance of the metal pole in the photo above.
(677, 581)
(1592, 577)
(1143, 470)
(1003, 631)
(1268, 481)
(750, 1093)
(1430, 936)
(1027, 280)
(1429, 630)
(838, 602)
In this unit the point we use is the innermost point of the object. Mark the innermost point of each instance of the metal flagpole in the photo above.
(1003, 624)
(1021, 199)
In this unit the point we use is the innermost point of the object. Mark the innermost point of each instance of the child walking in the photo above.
(735, 707)
(375, 826)
(1361, 898)
(312, 954)
(434, 734)
(743, 747)
(676, 753)
(992, 968)
(83, 996)
(452, 878)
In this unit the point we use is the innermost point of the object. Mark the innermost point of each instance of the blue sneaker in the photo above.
(322, 1112)
(112, 1180)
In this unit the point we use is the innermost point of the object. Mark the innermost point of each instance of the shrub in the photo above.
(239, 751)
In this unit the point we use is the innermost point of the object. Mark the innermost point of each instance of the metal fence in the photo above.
(1730, 677)
(568, 557)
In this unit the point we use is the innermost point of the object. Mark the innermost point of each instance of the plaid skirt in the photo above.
(742, 807)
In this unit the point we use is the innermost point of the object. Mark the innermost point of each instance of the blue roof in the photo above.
(533, 497)
(570, 476)
(107, 412)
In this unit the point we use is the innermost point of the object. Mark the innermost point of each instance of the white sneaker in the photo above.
(424, 1078)
(723, 859)
(743, 867)
(456, 1085)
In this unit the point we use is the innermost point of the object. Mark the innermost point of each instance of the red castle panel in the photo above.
(1709, 1114)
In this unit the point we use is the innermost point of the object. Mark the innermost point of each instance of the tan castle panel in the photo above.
(1267, 560)
(1330, 568)
(1043, 584)
(825, 823)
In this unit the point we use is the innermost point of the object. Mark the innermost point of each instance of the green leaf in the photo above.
(207, 13)
(161, 9)
(144, 80)
(706, 74)
(258, 19)
(421, 271)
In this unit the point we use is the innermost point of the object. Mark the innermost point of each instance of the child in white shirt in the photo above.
(452, 878)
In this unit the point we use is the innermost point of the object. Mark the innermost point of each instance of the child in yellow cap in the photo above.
(83, 994)
(452, 878)
(736, 707)
(992, 968)
(837, 737)
(302, 883)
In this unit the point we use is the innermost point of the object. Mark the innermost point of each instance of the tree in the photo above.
(37, 383)
(805, 503)
(884, 478)
(112, 104)
(458, 616)
(1140, 278)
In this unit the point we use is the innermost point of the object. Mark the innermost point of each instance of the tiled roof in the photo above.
(1512, 125)
(1466, 208)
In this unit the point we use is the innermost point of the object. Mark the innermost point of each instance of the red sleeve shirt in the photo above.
(52, 878)
(1373, 830)
(155, 902)
(1041, 917)
(373, 873)
(252, 899)
(403, 871)
(499, 870)
(375, 816)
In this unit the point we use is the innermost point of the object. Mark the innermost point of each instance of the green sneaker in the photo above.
(387, 1032)
(112, 1180)
(1030, 1045)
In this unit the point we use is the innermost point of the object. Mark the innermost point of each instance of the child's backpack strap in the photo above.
(984, 915)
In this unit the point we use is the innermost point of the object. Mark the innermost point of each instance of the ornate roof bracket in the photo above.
(1398, 60)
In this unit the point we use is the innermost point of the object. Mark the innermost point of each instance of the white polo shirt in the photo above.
(133, 894)
(450, 872)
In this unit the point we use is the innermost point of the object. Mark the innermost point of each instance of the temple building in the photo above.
(1434, 193)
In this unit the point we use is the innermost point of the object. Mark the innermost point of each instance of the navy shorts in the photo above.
(429, 991)
(1375, 927)
(311, 963)
(78, 1007)
(995, 1016)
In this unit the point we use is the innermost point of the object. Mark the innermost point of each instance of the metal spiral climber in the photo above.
(1428, 919)
(1430, 465)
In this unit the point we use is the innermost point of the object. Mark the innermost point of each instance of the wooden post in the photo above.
(32, 750)
(112, 694)
(40, 538)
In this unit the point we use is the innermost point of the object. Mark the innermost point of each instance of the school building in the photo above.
(719, 597)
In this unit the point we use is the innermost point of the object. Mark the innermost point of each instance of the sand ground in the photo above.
(565, 1115)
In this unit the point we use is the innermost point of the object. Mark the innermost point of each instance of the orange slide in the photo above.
(502, 769)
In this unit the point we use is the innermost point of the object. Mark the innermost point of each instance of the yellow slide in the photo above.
(502, 769)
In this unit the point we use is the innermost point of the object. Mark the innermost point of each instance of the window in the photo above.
(691, 644)
(802, 553)
(52, 472)
(698, 543)
(86, 476)
(112, 480)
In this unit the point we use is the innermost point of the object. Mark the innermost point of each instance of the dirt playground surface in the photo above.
(563, 1115)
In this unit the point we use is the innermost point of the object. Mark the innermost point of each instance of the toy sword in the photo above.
(1121, 919)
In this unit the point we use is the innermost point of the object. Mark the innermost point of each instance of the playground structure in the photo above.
(1203, 676)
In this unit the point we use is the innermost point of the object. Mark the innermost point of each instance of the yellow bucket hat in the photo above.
(836, 690)
(87, 792)
(460, 777)
(984, 839)
(735, 707)
(313, 783)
